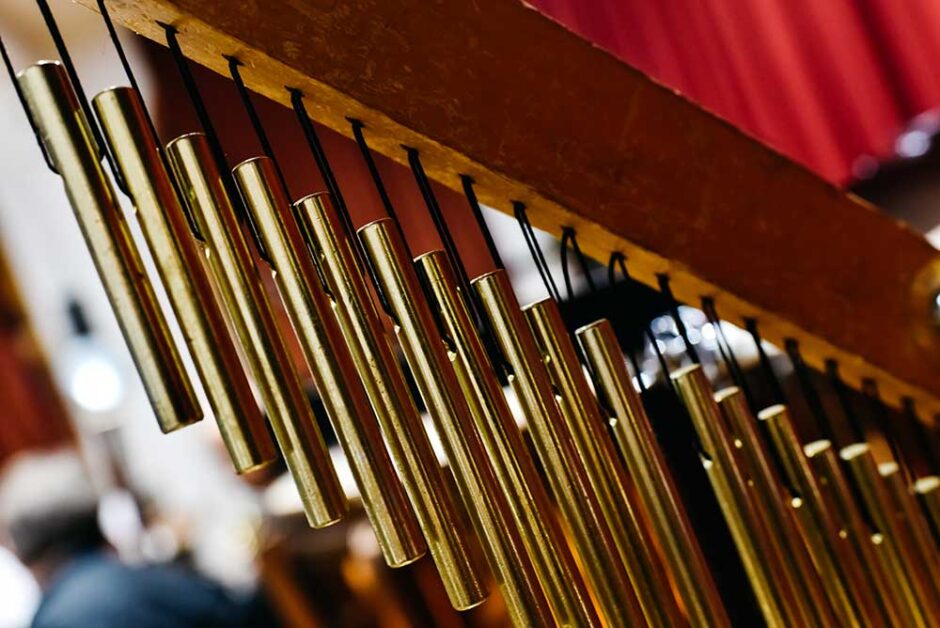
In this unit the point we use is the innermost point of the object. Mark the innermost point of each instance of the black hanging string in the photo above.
(674, 312)
(920, 436)
(727, 353)
(569, 238)
(22, 98)
(879, 414)
(767, 368)
(810, 394)
(471, 195)
(531, 240)
(357, 127)
(845, 402)
(619, 261)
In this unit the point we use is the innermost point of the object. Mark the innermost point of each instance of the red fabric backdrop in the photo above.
(827, 82)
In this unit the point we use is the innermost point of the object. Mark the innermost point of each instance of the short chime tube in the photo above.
(559, 453)
(927, 491)
(131, 141)
(242, 290)
(580, 409)
(489, 508)
(341, 390)
(655, 486)
(456, 560)
(65, 134)
(731, 490)
(507, 451)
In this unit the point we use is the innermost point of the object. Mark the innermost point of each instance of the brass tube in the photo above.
(371, 350)
(161, 218)
(731, 490)
(895, 543)
(240, 285)
(635, 544)
(426, 355)
(334, 373)
(503, 441)
(67, 139)
(809, 566)
(927, 490)
(565, 467)
(863, 565)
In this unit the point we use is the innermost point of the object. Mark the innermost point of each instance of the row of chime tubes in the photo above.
(820, 546)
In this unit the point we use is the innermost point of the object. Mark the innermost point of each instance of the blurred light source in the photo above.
(914, 143)
(95, 384)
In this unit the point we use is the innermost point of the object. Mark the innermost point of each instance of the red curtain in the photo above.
(830, 83)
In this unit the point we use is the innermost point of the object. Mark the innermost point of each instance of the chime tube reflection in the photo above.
(655, 486)
(66, 136)
(489, 507)
(580, 408)
(333, 370)
(927, 491)
(450, 547)
(240, 285)
(558, 452)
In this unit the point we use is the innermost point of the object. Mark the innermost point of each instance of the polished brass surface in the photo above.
(242, 290)
(655, 486)
(506, 448)
(371, 350)
(334, 372)
(927, 491)
(809, 568)
(566, 468)
(67, 139)
(161, 218)
(895, 542)
(489, 507)
(732, 492)
(863, 564)
(612, 485)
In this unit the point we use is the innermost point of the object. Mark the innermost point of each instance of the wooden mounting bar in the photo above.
(493, 89)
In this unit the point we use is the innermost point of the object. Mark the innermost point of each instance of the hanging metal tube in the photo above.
(503, 442)
(655, 485)
(341, 390)
(577, 403)
(242, 290)
(927, 490)
(490, 509)
(558, 451)
(371, 350)
(68, 140)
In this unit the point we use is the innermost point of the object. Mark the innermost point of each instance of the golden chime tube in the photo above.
(385, 384)
(611, 483)
(731, 490)
(780, 512)
(565, 467)
(334, 373)
(240, 285)
(67, 138)
(863, 565)
(489, 507)
(897, 544)
(507, 450)
(927, 490)
(161, 217)
(657, 490)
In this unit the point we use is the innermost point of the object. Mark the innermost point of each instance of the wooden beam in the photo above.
(493, 89)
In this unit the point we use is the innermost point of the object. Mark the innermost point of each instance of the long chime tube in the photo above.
(334, 373)
(489, 508)
(894, 540)
(507, 450)
(927, 491)
(656, 488)
(557, 448)
(805, 576)
(67, 139)
(458, 564)
(166, 230)
(580, 408)
(862, 563)
(242, 290)
(731, 490)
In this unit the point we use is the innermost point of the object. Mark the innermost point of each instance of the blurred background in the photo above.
(845, 87)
